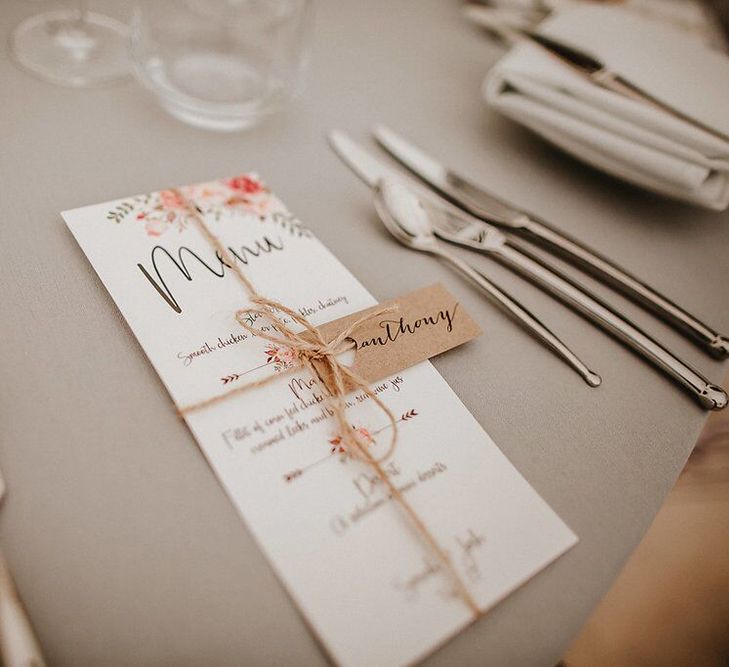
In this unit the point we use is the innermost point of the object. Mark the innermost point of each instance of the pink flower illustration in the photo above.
(171, 200)
(282, 357)
(156, 226)
(215, 201)
(287, 355)
(165, 209)
(249, 194)
(362, 434)
(245, 184)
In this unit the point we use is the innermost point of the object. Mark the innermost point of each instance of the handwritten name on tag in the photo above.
(425, 323)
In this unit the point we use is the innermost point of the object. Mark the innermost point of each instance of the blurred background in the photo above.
(670, 604)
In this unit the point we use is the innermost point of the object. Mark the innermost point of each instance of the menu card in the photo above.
(339, 544)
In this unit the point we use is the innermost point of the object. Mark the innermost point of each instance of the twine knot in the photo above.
(321, 358)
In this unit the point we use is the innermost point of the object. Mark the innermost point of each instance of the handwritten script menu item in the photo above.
(342, 548)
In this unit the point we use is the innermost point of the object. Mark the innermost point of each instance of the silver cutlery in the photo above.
(401, 213)
(18, 644)
(414, 232)
(415, 215)
(489, 208)
(453, 225)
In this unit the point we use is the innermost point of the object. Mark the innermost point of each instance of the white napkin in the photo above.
(629, 139)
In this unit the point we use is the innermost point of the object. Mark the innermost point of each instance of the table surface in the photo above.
(124, 547)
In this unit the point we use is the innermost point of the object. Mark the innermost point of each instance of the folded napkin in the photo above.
(629, 139)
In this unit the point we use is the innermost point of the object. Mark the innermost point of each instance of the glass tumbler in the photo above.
(221, 64)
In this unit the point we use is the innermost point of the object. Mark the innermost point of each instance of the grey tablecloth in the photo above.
(123, 545)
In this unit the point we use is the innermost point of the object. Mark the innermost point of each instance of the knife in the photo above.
(584, 62)
(452, 224)
(486, 206)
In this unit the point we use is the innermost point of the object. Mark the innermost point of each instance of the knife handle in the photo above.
(590, 261)
(710, 396)
(18, 644)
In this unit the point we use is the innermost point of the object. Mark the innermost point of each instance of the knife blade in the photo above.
(371, 170)
(487, 206)
(446, 182)
(362, 163)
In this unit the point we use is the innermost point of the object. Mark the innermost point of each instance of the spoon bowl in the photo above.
(402, 213)
(408, 218)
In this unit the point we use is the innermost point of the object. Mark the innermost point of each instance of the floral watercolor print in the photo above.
(161, 212)
(281, 356)
(362, 434)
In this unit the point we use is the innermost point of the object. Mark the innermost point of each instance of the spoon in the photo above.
(405, 218)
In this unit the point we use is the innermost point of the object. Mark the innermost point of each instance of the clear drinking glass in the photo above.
(72, 46)
(221, 64)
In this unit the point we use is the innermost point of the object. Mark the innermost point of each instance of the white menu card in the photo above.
(341, 547)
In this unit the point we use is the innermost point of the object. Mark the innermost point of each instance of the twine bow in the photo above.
(337, 379)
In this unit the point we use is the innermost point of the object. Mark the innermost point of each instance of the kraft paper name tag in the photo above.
(426, 323)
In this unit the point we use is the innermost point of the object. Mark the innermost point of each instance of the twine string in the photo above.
(337, 379)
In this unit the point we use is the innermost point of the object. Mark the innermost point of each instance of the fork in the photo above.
(456, 226)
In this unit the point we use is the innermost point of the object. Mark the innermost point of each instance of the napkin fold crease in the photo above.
(630, 139)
